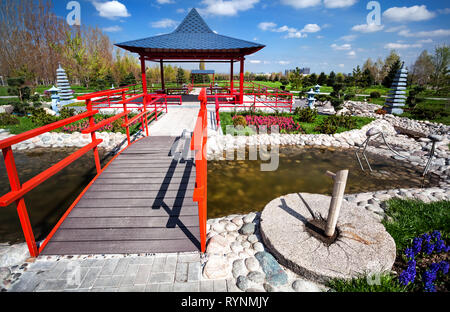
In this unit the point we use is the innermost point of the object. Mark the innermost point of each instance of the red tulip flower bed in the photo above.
(285, 124)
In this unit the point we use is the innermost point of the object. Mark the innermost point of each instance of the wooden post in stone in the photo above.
(340, 181)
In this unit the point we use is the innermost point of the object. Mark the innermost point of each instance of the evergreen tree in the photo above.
(312, 79)
(181, 78)
(322, 80)
(331, 79)
(389, 79)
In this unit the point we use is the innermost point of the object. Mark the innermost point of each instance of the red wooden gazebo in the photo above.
(193, 40)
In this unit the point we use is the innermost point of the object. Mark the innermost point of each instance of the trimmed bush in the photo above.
(8, 119)
(306, 114)
(239, 121)
(375, 95)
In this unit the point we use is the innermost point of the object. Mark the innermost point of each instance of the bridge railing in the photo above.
(198, 144)
(19, 190)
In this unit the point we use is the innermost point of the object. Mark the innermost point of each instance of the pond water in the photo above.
(237, 187)
(49, 201)
(233, 186)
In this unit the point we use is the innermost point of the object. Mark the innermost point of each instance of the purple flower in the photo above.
(417, 245)
(444, 267)
(409, 253)
(409, 275)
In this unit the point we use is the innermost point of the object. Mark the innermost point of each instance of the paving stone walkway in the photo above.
(174, 272)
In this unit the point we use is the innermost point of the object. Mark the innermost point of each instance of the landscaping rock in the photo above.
(216, 268)
(252, 264)
(250, 217)
(239, 268)
(274, 273)
(248, 229)
(218, 245)
(305, 286)
(256, 277)
(242, 283)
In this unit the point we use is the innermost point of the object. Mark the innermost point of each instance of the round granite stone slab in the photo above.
(362, 245)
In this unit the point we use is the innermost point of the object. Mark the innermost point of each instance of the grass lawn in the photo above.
(226, 118)
(8, 101)
(409, 219)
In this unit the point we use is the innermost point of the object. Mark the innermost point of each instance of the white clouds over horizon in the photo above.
(329, 4)
(415, 13)
(111, 9)
(292, 32)
(368, 28)
(226, 8)
(343, 47)
(430, 33)
(164, 23)
(333, 4)
(400, 46)
(112, 29)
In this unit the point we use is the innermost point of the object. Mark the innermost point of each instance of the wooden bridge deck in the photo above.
(141, 203)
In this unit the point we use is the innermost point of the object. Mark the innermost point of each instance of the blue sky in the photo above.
(324, 35)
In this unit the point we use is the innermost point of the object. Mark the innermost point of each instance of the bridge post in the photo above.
(93, 136)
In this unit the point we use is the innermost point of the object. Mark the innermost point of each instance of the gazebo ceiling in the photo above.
(192, 40)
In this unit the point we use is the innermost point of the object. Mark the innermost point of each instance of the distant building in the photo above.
(303, 71)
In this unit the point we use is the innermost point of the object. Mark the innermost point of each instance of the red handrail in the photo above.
(198, 143)
(18, 190)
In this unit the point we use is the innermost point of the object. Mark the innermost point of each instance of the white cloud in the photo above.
(228, 8)
(425, 41)
(291, 31)
(266, 25)
(301, 4)
(111, 9)
(349, 38)
(332, 4)
(398, 46)
(255, 62)
(181, 10)
(319, 37)
(165, 1)
(351, 53)
(431, 33)
(412, 14)
(284, 62)
(112, 29)
(367, 28)
(341, 65)
(164, 23)
(341, 47)
(311, 28)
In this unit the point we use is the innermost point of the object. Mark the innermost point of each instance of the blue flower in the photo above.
(409, 253)
(436, 235)
(409, 275)
(417, 245)
(429, 247)
(440, 246)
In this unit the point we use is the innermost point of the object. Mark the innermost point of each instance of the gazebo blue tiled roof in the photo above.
(192, 36)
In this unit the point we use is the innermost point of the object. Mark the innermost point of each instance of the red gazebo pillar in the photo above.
(241, 83)
(231, 77)
(143, 75)
(163, 86)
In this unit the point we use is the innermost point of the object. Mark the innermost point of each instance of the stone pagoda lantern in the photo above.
(311, 99)
(397, 96)
(54, 93)
(65, 93)
(317, 89)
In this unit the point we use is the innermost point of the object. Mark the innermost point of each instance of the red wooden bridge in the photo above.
(150, 198)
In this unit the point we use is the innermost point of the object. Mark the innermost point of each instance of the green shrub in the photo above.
(40, 117)
(331, 124)
(336, 102)
(349, 96)
(326, 127)
(306, 114)
(20, 108)
(66, 112)
(8, 119)
(375, 95)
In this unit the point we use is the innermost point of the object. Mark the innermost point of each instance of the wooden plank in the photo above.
(120, 247)
(148, 162)
(133, 212)
(99, 187)
(127, 234)
(161, 193)
(137, 175)
(134, 202)
(160, 180)
(148, 170)
(129, 222)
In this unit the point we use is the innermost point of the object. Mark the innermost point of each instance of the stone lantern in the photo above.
(54, 93)
(311, 99)
(317, 89)
(65, 93)
(397, 96)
